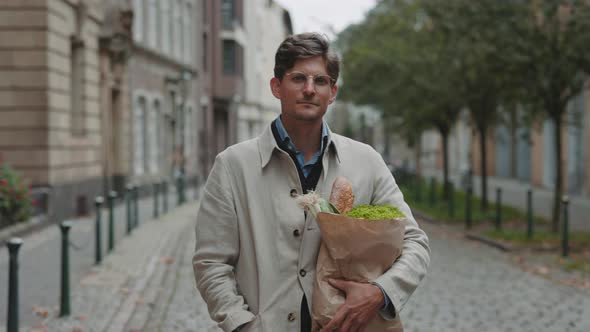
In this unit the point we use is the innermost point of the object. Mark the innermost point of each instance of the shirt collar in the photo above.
(267, 143)
(287, 140)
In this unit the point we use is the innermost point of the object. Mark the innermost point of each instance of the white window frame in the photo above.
(177, 22)
(140, 107)
(188, 33)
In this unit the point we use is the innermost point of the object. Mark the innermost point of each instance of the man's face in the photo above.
(305, 91)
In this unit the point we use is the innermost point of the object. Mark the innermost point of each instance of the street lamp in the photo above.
(183, 84)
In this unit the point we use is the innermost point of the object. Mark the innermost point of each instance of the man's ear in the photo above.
(275, 87)
(334, 93)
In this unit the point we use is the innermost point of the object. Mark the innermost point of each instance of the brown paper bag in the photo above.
(358, 250)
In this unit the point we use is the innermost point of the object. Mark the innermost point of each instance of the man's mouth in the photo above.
(307, 103)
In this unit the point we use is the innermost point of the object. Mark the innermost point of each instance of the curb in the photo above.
(23, 229)
(471, 236)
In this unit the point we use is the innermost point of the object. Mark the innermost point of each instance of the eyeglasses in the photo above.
(298, 79)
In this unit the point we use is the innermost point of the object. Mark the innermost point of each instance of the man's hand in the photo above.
(363, 302)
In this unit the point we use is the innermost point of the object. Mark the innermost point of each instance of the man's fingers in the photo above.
(337, 321)
(340, 284)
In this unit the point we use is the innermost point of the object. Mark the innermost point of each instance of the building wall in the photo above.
(166, 89)
(39, 135)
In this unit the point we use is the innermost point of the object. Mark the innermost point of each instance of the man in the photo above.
(256, 249)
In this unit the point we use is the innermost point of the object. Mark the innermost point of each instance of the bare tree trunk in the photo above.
(445, 138)
(513, 143)
(558, 178)
(483, 163)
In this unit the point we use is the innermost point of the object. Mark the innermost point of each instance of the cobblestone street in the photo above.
(472, 287)
(148, 285)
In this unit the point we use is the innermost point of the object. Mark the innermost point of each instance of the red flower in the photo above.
(3, 183)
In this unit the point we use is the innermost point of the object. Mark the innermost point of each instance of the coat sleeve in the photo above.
(217, 250)
(400, 281)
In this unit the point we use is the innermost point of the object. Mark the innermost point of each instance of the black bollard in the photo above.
(12, 319)
(155, 193)
(180, 189)
(432, 191)
(565, 236)
(529, 201)
(112, 197)
(128, 200)
(451, 201)
(135, 206)
(97, 230)
(65, 270)
(498, 209)
(468, 219)
(165, 196)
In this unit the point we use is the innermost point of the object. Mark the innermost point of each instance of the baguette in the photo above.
(342, 196)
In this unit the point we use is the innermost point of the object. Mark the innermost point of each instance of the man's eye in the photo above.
(321, 80)
(299, 78)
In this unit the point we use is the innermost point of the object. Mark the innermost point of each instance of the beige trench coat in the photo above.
(256, 252)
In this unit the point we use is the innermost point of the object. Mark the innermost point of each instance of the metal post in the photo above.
(97, 230)
(135, 206)
(432, 191)
(12, 320)
(112, 196)
(65, 269)
(529, 200)
(451, 187)
(468, 221)
(128, 200)
(155, 193)
(565, 236)
(180, 189)
(498, 209)
(165, 196)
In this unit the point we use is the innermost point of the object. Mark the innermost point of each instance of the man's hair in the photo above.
(302, 46)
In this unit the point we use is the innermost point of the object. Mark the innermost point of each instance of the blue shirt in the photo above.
(305, 166)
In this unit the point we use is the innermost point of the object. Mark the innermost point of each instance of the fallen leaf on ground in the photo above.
(82, 317)
(167, 260)
(543, 270)
(77, 329)
(41, 311)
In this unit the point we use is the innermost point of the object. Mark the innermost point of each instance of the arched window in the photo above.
(138, 20)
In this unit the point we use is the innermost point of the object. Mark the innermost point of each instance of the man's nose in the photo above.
(309, 87)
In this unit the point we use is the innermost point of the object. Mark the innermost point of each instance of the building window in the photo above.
(178, 39)
(155, 120)
(171, 15)
(204, 50)
(153, 23)
(232, 54)
(139, 134)
(188, 33)
(138, 20)
(78, 118)
(188, 132)
(165, 26)
(228, 13)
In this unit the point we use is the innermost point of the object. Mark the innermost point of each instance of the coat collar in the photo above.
(267, 144)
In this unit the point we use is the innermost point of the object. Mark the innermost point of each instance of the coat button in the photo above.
(296, 233)
(293, 192)
(291, 317)
(302, 272)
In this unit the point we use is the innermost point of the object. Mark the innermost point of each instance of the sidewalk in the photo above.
(133, 288)
(514, 193)
(39, 260)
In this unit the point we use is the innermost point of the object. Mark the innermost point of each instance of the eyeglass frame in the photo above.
(332, 81)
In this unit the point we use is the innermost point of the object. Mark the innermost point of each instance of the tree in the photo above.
(554, 60)
(397, 62)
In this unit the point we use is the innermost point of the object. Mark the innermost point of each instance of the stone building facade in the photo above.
(63, 82)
